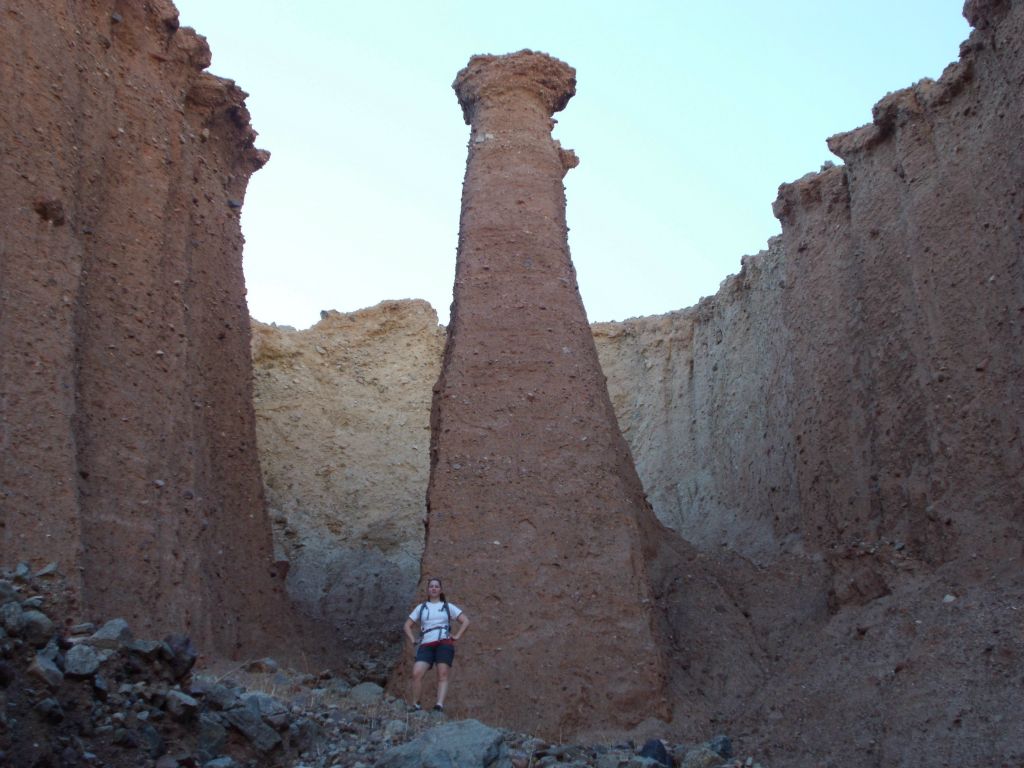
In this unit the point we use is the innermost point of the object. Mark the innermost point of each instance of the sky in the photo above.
(687, 117)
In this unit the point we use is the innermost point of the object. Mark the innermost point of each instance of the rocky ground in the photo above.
(87, 695)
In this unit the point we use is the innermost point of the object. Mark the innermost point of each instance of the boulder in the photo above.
(113, 635)
(46, 670)
(37, 628)
(81, 661)
(460, 744)
(249, 723)
(366, 693)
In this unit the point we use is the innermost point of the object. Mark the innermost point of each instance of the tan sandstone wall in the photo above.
(700, 395)
(343, 423)
(127, 444)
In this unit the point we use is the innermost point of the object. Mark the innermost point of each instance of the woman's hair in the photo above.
(434, 578)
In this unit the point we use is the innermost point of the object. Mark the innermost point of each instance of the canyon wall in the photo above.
(127, 440)
(343, 425)
(861, 379)
(838, 431)
(701, 396)
(836, 434)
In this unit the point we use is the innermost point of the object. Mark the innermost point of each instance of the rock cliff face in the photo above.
(838, 431)
(860, 380)
(343, 424)
(845, 411)
(127, 444)
(700, 395)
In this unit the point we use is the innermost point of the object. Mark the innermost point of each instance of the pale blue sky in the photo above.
(687, 117)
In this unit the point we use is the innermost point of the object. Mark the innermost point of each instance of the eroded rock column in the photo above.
(537, 521)
(127, 443)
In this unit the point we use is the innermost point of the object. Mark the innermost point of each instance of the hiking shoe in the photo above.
(438, 708)
(415, 708)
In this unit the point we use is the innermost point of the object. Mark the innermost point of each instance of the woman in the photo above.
(437, 643)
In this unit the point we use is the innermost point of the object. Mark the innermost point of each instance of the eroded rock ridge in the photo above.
(127, 446)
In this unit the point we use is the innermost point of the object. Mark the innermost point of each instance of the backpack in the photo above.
(447, 628)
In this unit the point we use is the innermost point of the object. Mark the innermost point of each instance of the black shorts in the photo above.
(436, 654)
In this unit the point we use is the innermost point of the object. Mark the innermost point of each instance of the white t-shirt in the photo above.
(435, 620)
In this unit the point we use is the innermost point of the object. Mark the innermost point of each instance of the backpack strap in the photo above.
(447, 629)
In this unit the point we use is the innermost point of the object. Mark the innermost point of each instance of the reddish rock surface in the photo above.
(908, 259)
(127, 445)
(537, 521)
(846, 413)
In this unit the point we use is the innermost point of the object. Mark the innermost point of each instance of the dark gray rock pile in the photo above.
(95, 695)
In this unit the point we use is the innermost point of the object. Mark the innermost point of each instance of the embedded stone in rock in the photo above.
(535, 509)
(50, 569)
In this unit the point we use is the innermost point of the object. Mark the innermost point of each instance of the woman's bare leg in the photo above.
(442, 683)
(418, 670)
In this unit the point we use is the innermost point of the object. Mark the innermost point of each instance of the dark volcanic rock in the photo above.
(183, 654)
(81, 661)
(463, 743)
(251, 725)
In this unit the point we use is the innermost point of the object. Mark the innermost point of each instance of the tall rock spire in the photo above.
(537, 521)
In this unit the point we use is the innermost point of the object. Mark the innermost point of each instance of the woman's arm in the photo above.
(463, 623)
(408, 631)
